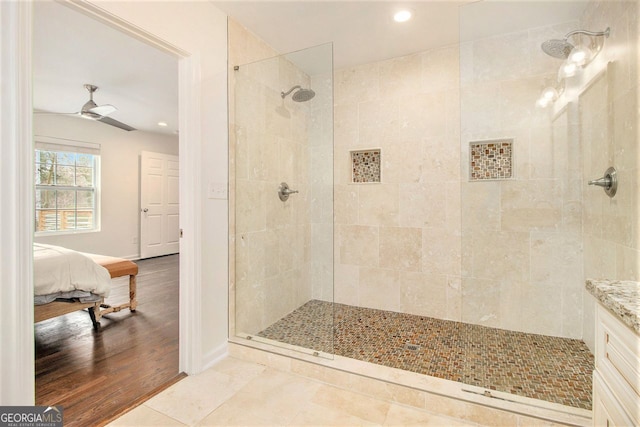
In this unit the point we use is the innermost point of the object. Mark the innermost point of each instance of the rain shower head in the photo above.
(557, 48)
(562, 48)
(301, 94)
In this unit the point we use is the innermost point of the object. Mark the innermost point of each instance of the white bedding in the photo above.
(60, 272)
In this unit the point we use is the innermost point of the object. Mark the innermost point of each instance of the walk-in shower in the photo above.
(284, 191)
(463, 252)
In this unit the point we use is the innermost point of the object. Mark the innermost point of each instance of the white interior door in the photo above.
(159, 204)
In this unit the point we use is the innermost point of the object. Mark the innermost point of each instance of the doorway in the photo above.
(77, 367)
(199, 121)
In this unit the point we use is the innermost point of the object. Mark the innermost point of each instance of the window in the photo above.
(66, 178)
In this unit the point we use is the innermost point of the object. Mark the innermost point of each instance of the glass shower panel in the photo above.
(522, 204)
(283, 125)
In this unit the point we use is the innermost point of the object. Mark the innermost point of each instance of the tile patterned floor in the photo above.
(548, 368)
(239, 393)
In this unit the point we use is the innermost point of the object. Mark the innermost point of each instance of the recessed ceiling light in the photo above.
(163, 124)
(402, 15)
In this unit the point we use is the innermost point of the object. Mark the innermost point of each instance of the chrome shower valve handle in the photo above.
(284, 191)
(609, 182)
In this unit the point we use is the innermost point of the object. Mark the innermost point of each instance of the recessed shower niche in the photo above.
(365, 165)
(489, 160)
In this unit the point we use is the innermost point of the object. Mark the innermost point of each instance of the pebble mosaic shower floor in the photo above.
(541, 367)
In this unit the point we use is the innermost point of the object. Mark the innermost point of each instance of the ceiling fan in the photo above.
(93, 111)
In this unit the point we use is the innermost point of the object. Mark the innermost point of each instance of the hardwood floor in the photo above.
(97, 375)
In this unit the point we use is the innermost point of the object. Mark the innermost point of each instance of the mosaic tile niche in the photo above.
(365, 166)
(491, 159)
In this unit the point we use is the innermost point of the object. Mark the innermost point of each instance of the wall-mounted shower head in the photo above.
(562, 48)
(557, 48)
(301, 94)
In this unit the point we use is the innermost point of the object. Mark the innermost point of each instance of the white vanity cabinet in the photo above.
(616, 379)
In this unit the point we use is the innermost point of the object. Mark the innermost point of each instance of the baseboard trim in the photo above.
(215, 356)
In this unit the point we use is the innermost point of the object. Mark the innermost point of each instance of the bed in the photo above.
(66, 281)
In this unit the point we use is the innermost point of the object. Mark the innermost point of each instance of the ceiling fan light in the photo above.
(89, 115)
(103, 110)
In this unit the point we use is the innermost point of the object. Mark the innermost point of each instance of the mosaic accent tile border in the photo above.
(491, 159)
(365, 165)
(538, 366)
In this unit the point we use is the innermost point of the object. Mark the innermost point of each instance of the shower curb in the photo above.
(434, 395)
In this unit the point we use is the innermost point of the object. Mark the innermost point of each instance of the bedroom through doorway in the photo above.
(95, 112)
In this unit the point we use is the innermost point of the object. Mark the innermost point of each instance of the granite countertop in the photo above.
(621, 297)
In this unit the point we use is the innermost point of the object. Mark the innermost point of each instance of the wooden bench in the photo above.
(117, 267)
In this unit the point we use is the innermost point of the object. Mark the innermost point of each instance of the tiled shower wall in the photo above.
(398, 241)
(609, 122)
(269, 144)
(504, 253)
(511, 254)
(522, 256)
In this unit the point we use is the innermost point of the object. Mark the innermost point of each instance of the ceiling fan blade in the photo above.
(112, 122)
(58, 114)
(103, 110)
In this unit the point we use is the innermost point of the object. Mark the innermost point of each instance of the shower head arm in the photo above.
(604, 33)
(284, 94)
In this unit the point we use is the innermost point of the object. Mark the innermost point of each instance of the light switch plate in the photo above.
(217, 190)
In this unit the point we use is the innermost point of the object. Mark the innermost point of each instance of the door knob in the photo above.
(145, 210)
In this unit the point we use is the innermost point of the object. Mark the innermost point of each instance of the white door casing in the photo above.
(16, 310)
(159, 204)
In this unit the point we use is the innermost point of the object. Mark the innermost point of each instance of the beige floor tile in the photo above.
(239, 393)
(405, 416)
(272, 384)
(144, 416)
(238, 368)
(271, 398)
(354, 404)
(316, 415)
(193, 398)
(245, 409)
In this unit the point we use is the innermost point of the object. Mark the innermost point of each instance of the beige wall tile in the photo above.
(454, 298)
(378, 204)
(440, 69)
(402, 161)
(421, 205)
(441, 251)
(346, 203)
(378, 288)
(401, 248)
(377, 122)
(500, 255)
(347, 278)
(481, 302)
(357, 84)
(481, 206)
(556, 258)
(358, 245)
(531, 205)
(423, 294)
